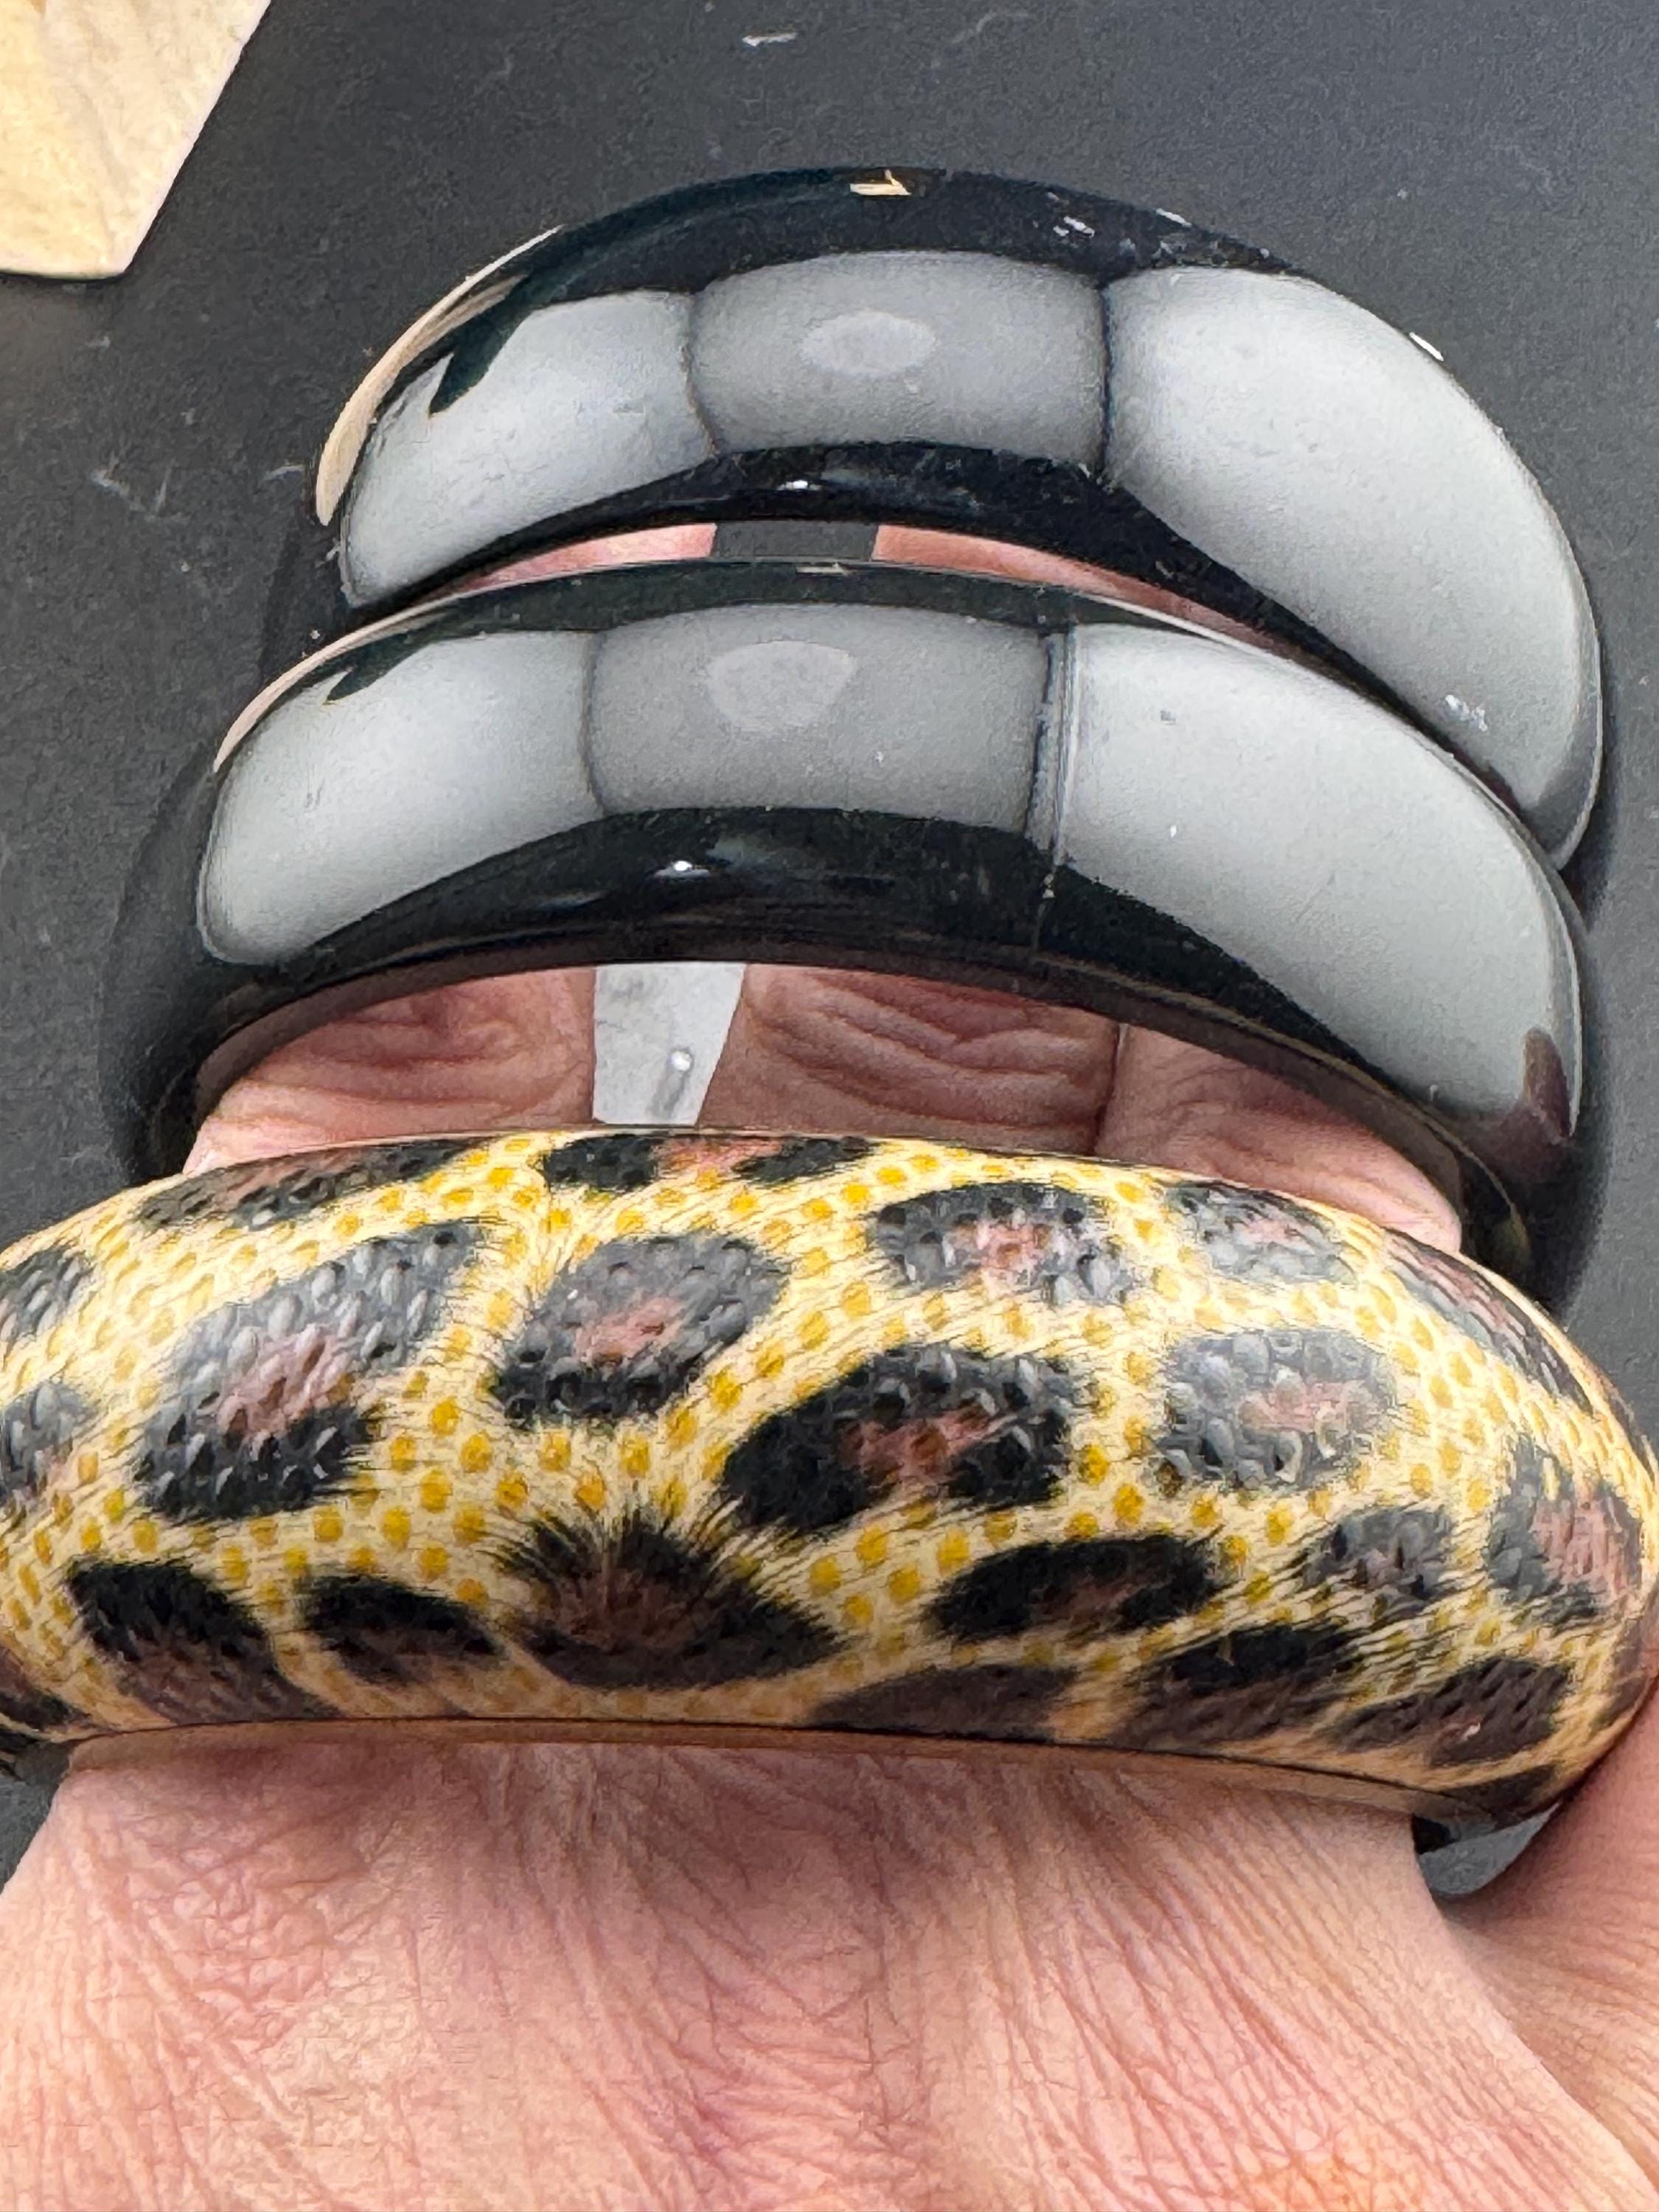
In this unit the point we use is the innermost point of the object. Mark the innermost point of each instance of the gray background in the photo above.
(1484, 174)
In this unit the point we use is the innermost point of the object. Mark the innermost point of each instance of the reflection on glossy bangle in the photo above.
(833, 1440)
(1005, 359)
(875, 768)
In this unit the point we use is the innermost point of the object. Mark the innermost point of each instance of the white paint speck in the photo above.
(1417, 339)
(769, 38)
(1170, 215)
(1474, 717)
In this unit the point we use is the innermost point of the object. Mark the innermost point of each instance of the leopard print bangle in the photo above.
(821, 1439)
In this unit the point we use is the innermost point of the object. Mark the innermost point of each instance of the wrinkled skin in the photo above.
(550, 1979)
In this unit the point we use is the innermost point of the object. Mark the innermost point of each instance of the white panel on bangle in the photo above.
(899, 710)
(958, 349)
(1315, 450)
(1332, 848)
(583, 400)
(341, 800)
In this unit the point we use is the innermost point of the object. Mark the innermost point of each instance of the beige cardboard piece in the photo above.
(100, 100)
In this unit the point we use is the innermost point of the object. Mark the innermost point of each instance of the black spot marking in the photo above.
(1635, 1665)
(922, 1419)
(1256, 1236)
(756, 1159)
(1493, 1710)
(1573, 1557)
(635, 1608)
(1097, 1586)
(1237, 1687)
(259, 1193)
(385, 1632)
(1272, 1409)
(1398, 1556)
(192, 1472)
(792, 1159)
(38, 1429)
(183, 1647)
(25, 1705)
(1476, 1306)
(1010, 1705)
(623, 1162)
(1028, 1237)
(627, 1329)
(1513, 1797)
(261, 1415)
(37, 1293)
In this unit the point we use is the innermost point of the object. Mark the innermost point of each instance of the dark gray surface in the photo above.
(1483, 175)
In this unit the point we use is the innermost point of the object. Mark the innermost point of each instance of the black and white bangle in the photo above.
(1007, 360)
(872, 766)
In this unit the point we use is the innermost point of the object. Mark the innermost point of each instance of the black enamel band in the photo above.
(871, 767)
(1010, 360)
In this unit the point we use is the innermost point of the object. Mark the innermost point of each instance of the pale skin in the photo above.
(415, 1978)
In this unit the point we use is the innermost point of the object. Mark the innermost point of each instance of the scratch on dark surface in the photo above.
(283, 469)
(147, 510)
(1529, 164)
(988, 20)
(769, 38)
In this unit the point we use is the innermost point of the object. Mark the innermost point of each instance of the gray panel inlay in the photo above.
(465, 747)
(964, 349)
(1339, 868)
(583, 400)
(1320, 453)
(903, 711)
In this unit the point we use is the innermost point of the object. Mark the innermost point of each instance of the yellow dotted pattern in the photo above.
(450, 1487)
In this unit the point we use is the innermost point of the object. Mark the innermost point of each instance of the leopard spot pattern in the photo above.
(593, 1428)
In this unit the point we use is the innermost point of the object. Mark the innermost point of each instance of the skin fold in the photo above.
(420, 1980)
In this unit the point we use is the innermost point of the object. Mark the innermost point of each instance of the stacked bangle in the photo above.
(814, 1439)
(1008, 360)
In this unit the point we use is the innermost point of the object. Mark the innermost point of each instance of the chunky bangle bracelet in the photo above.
(1005, 359)
(883, 768)
(831, 1439)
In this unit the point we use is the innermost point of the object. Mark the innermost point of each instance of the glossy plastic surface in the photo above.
(870, 767)
(1007, 359)
(811, 1436)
